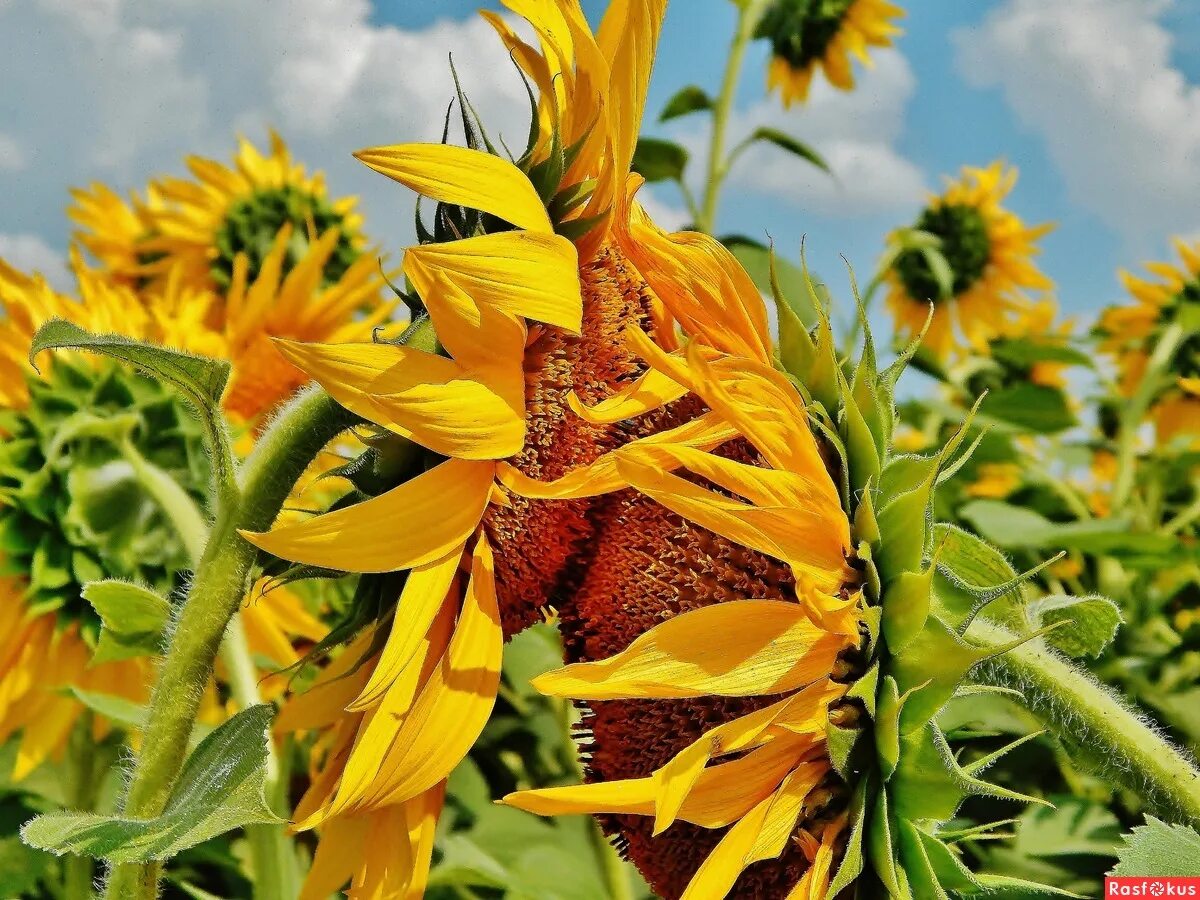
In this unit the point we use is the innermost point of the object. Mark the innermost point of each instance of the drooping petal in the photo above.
(768, 647)
(603, 476)
(455, 703)
(423, 596)
(416, 523)
(628, 37)
(421, 396)
(523, 273)
(470, 178)
(722, 794)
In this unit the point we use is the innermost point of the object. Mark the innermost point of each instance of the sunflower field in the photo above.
(564, 554)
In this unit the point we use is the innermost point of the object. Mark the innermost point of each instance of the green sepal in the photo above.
(881, 850)
(889, 704)
(906, 605)
(133, 619)
(852, 862)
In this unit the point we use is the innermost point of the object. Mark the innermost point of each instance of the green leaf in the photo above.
(1157, 848)
(1014, 528)
(200, 379)
(1072, 827)
(221, 788)
(1029, 407)
(134, 619)
(940, 269)
(659, 160)
(21, 868)
(792, 145)
(687, 100)
(755, 258)
(1022, 353)
(1094, 621)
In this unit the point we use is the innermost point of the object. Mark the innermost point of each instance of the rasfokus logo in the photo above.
(1148, 886)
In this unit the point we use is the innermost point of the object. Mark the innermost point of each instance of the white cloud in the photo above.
(30, 253)
(665, 214)
(855, 132)
(12, 157)
(1095, 79)
(119, 90)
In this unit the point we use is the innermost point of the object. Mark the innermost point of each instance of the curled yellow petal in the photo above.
(421, 396)
(418, 522)
(470, 178)
(768, 647)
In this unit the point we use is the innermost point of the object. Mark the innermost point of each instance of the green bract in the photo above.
(925, 584)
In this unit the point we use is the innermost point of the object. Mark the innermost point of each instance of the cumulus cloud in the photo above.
(117, 90)
(1095, 79)
(855, 132)
(30, 253)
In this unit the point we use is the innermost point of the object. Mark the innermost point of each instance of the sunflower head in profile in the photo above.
(968, 257)
(808, 35)
(1130, 334)
(590, 416)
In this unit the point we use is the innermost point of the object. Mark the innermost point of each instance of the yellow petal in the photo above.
(423, 596)
(811, 544)
(651, 391)
(455, 704)
(333, 864)
(322, 704)
(519, 272)
(469, 178)
(421, 396)
(676, 779)
(722, 793)
(761, 834)
(628, 38)
(416, 523)
(602, 476)
(764, 647)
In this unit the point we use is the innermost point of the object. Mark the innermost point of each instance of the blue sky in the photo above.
(1096, 101)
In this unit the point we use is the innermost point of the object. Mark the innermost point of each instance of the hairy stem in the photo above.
(1108, 736)
(280, 457)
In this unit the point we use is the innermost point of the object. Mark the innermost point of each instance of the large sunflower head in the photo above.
(807, 35)
(970, 258)
(741, 567)
(1130, 334)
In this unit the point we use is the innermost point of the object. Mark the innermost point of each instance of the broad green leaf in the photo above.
(792, 145)
(221, 788)
(1158, 848)
(199, 379)
(1023, 353)
(134, 619)
(1094, 621)
(1029, 407)
(1013, 527)
(659, 160)
(755, 258)
(687, 100)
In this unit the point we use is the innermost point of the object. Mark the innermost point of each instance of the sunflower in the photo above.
(1130, 333)
(115, 231)
(807, 35)
(590, 419)
(988, 251)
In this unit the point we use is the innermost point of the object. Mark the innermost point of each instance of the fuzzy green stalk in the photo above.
(1106, 734)
(306, 425)
(749, 14)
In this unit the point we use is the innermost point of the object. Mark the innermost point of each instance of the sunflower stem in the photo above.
(1107, 735)
(309, 422)
(749, 14)
(176, 503)
(1135, 410)
(271, 851)
(79, 870)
